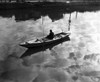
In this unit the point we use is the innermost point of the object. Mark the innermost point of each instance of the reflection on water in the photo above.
(27, 14)
(54, 12)
(77, 60)
(21, 14)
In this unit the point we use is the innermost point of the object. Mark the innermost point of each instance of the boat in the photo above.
(43, 42)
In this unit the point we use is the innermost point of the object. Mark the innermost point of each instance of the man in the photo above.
(51, 35)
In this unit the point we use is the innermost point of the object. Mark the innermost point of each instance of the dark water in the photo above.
(30, 14)
(54, 12)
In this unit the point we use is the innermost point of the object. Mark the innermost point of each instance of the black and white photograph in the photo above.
(49, 40)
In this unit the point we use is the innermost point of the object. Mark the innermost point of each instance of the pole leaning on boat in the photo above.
(43, 31)
(69, 22)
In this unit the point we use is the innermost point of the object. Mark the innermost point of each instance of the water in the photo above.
(74, 61)
(27, 14)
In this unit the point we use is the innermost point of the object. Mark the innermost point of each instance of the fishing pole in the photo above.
(76, 14)
(69, 22)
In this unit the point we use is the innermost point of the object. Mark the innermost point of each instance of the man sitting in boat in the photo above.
(51, 35)
(48, 37)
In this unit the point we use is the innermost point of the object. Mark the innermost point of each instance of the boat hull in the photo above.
(44, 44)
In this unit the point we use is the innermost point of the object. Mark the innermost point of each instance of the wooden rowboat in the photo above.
(58, 38)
